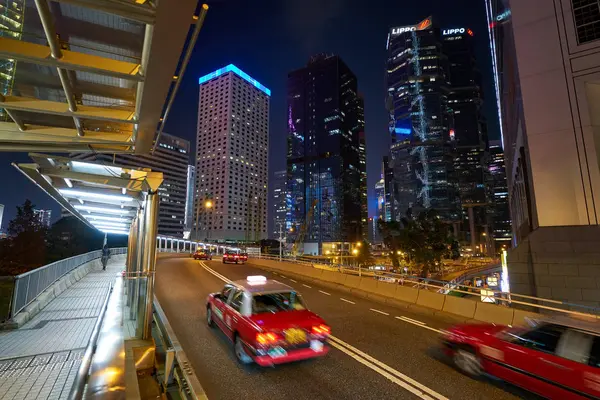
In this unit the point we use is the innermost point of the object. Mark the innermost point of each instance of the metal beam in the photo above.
(53, 135)
(72, 148)
(125, 9)
(31, 172)
(25, 77)
(42, 55)
(168, 39)
(27, 104)
(109, 181)
(56, 52)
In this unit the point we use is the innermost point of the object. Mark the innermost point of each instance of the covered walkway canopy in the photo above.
(91, 75)
(106, 197)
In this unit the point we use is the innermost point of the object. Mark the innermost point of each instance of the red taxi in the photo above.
(202, 255)
(234, 257)
(267, 321)
(557, 358)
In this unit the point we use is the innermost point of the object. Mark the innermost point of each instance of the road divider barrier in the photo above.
(423, 295)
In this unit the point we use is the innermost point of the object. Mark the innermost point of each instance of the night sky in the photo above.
(269, 38)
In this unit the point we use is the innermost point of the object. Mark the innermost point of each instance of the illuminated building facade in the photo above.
(546, 63)
(502, 230)
(278, 204)
(232, 156)
(13, 14)
(326, 154)
(419, 115)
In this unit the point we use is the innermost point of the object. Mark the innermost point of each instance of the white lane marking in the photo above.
(215, 273)
(419, 324)
(377, 311)
(283, 276)
(347, 301)
(310, 287)
(293, 280)
(367, 360)
(413, 320)
(390, 373)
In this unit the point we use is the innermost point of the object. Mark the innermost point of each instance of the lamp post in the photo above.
(208, 205)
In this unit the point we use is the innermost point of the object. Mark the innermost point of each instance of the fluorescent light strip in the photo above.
(102, 209)
(103, 218)
(110, 224)
(117, 232)
(68, 182)
(91, 195)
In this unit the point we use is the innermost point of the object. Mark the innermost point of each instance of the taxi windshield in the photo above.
(276, 302)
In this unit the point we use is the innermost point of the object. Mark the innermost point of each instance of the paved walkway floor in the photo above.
(40, 360)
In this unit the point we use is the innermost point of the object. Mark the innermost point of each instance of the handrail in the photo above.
(177, 362)
(78, 387)
(29, 285)
(506, 298)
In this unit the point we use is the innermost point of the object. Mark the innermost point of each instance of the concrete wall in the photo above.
(559, 263)
(55, 290)
(428, 301)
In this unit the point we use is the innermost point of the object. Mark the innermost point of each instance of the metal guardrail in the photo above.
(178, 373)
(29, 285)
(444, 287)
(80, 379)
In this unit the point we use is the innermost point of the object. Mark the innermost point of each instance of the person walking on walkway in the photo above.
(105, 256)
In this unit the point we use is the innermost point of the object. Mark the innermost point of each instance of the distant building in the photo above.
(232, 156)
(44, 216)
(326, 154)
(189, 202)
(278, 204)
(1, 216)
(502, 229)
(171, 158)
(420, 118)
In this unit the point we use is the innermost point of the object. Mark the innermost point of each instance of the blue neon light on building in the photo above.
(238, 72)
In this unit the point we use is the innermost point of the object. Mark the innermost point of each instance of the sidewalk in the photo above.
(41, 359)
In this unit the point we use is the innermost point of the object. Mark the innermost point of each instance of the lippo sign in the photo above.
(457, 31)
(426, 23)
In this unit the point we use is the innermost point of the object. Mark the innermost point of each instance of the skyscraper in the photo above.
(171, 158)
(468, 133)
(502, 230)
(417, 85)
(44, 216)
(545, 62)
(278, 203)
(232, 156)
(325, 159)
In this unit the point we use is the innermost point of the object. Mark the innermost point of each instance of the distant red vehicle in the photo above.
(202, 255)
(267, 322)
(234, 257)
(557, 359)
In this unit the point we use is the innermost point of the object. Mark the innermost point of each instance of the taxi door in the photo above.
(220, 306)
(232, 314)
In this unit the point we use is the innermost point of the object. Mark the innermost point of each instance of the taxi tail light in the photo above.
(267, 338)
(321, 330)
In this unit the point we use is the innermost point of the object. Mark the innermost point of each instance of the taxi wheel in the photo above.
(240, 352)
(467, 361)
(209, 319)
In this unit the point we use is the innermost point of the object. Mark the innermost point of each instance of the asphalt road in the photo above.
(379, 352)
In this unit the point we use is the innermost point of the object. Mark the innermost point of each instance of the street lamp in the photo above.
(208, 205)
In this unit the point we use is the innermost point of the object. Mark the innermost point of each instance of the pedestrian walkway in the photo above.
(41, 359)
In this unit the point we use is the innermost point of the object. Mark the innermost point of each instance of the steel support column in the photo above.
(150, 264)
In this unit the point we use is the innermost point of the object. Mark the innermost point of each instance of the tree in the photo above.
(25, 247)
(425, 240)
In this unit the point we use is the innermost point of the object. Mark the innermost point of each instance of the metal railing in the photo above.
(177, 373)
(29, 285)
(444, 287)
